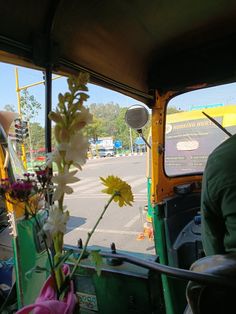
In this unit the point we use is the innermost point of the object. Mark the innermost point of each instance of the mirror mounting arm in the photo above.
(140, 132)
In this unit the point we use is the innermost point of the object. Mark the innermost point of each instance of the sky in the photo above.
(223, 95)
(8, 93)
(219, 95)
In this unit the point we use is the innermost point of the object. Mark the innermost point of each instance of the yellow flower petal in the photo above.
(121, 189)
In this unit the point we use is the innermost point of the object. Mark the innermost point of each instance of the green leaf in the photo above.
(83, 96)
(96, 258)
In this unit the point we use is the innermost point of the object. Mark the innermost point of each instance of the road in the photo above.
(120, 225)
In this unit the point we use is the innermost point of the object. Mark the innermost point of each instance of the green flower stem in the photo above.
(60, 203)
(58, 246)
(91, 233)
(57, 241)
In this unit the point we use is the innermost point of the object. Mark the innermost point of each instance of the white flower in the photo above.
(56, 221)
(62, 179)
(85, 115)
(81, 119)
(76, 150)
(55, 116)
(53, 157)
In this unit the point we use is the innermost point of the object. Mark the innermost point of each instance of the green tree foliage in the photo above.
(37, 135)
(105, 111)
(172, 109)
(109, 120)
(105, 116)
(95, 129)
(123, 132)
(9, 107)
(29, 110)
(29, 105)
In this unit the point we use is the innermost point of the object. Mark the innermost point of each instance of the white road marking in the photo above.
(82, 181)
(91, 187)
(137, 182)
(132, 221)
(143, 191)
(104, 231)
(144, 200)
(97, 189)
(84, 187)
(95, 185)
(141, 197)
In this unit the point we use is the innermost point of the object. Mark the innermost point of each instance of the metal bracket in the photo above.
(160, 149)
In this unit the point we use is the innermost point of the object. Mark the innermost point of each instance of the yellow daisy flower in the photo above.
(121, 189)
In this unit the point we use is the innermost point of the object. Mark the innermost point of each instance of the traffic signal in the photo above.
(21, 130)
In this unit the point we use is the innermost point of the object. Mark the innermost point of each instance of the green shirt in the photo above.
(218, 202)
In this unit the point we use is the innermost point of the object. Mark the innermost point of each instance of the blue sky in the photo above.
(217, 95)
(27, 76)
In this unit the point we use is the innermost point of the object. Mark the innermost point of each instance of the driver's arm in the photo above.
(219, 218)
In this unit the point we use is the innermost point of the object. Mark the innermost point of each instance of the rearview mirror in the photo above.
(136, 117)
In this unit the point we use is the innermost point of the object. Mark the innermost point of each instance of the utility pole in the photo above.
(131, 141)
(23, 157)
(18, 90)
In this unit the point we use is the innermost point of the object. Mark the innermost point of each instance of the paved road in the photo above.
(119, 225)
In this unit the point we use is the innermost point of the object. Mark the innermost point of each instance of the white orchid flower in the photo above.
(53, 157)
(56, 221)
(85, 115)
(76, 150)
(55, 116)
(61, 180)
(81, 119)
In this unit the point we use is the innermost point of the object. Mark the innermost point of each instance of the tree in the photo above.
(95, 129)
(109, 120)
(105, 111)
(37, 135)
(106, 115)
(35, 141)
(172, 109)
(29, 105)
(122, 129)
(9, 107)
(29, 109)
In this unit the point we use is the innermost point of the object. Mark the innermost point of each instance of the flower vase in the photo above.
(47, 302)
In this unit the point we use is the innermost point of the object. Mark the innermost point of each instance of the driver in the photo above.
(218, 211)
(218, 202)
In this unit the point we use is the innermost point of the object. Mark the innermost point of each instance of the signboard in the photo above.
(139, 141)
(118, 144)
(189, 143)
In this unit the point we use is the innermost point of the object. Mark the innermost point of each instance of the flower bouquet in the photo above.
(70, 154)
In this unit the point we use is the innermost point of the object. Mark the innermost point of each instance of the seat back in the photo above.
(205, 299)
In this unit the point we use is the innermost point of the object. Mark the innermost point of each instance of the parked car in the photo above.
(106, 152)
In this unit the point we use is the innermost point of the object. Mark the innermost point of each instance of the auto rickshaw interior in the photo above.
(152, 51)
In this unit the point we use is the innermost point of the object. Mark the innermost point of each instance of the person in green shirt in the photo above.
(218, 201)
(218, 218)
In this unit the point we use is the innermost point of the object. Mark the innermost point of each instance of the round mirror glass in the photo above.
(136, 117)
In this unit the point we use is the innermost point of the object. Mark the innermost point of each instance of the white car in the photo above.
(106, 152)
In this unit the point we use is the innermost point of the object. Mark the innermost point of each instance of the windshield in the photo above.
(190, 136)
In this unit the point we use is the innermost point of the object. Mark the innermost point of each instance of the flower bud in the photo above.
(64, 136)
(57, 133)
(56, 117)
(77, 125)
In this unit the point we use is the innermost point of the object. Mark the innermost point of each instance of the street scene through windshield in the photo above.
(114, 149)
